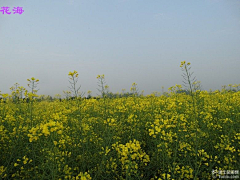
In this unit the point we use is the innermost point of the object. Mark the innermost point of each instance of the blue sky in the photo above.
(127, 40)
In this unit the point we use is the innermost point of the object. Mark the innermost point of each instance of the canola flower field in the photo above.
(172, 136)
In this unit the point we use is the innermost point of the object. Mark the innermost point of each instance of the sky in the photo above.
(141, 41)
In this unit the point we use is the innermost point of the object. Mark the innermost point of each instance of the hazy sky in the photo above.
(142, 41)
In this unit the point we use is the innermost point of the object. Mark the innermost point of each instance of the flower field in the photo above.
(145, 137)
(181, 134)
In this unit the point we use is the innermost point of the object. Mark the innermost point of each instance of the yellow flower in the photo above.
(75, 72)
(70, 73)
